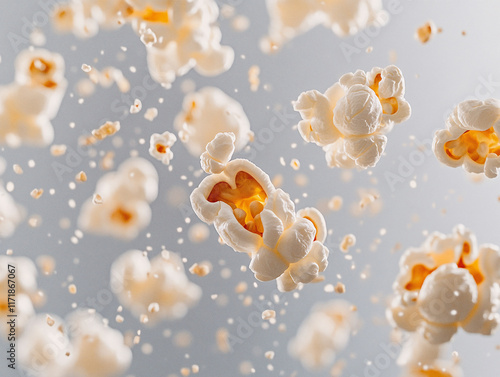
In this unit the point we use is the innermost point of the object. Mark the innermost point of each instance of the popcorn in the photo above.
(290, 18)
(178, 34)
(83, 347)
(351, 119)
(471, 137)
(25, 295)
(160, 146)
(426, 31)
(138, 283)
(218, 154)
(28, 105)
(323, 333)
(124, 198)
(254, 217)
(447, 283)
(11, 214)
(205, 114)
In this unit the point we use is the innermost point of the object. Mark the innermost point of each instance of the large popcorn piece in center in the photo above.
(471, 137)
(28, 105)
(82, 346)
(351, 119)
(323, 333)
(157, 289)
(254, 217)
(121, 205)
(290, 18)
(447, 283)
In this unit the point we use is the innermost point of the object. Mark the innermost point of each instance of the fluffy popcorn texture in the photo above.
(350, 120)
(290, 18)
(254, 217)
(447, 283)
(160, 146)
(205, 114)
(178, 34)
(26, 291)
(139, 282)
(82, 347)
(420, 358)
(126, 196)
(28, 105)
(218, 154)
(11, 214)
(323, 333)
(470, 138)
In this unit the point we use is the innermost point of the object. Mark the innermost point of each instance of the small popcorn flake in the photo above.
(107, 129)
(348, 241)
(17, 169)
(154, 307)
(36, 193)
(119, 318)
(425, 32)
(222, 340)
(253, 77)
(57, 150)
(268, 314)
(81, 177)
(151, 114)
(86, 68)
(46, 264)
(144, 318)
(97, 199)
(160, 146)
(335, 203)
(198, 233)
(72, 289)
(50, 321)
(295, 164)
(202, 269)
(185, 372)
(240, 23)
(195, 368)
(340, 288)
(136, 107)
(269, 355)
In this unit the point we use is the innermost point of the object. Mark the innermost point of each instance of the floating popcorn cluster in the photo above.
(205, 114)
(448, 283)
(160, 146)
(350, 120)
(178, 34)
(82, 346)
(24, 291)
(11, 214)
(323, 333)
(290, 18)
(254, 217)
(153, 290)
(471, 137)
(120, 207)
(28, 105)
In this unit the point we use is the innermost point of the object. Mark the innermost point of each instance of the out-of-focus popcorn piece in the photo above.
(205, 114)
(471, 137)
(447, 283)
(138, 282)
(160, 146)
(254, 217)
(136, 107)
(253, 77)
(151, 114)
(106, 130)
(11, 214)
(84, 346)
(426, 31)
(125, 195)
(290, 18)
(323, 333)
(350, 120)
(28, 105)
(26, 292)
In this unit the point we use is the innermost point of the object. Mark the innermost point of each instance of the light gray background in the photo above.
(438, 75)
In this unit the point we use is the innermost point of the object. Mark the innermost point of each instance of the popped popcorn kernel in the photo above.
(86, 68)
(136, 107)
(268, 314)
(425, 32)
(201, 270)
(106, 130)
(81, 177)
(347, 242)
(160, 146)
(151, 114)
(36, 193)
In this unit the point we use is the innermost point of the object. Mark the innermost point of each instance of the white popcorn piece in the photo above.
(290, 18)
(84, 346)
(448, 283)
(471, 137)
(28, 105)
(139, 282)
(350, 120)
(11, 214)
(160, 146)
(254, 217)
(420, 358)
(218, 153)
(205, 114)
(26, 291)
(178, 34)
(124, 208)
(426, 31)
(323, 333)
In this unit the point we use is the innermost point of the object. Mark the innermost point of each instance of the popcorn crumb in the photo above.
(269, 355)
(339, 288)
(202, 269)
(425, 32)
(58, 150)
(36, 193)
(106, 130)
(335, 203)
(347, 242)
(97, 199)
(72, 289)
(253, 77)
(17, 169)
(268, 314)
(86, 68)
(50, 320)
(81, 177)
(136, 107)
(151, 113)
